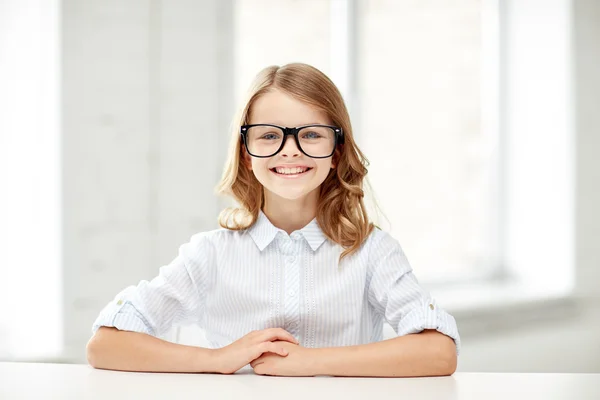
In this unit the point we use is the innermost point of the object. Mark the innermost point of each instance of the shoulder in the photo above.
(380, 241)
(203, 248)
(380, 245)
(217, 239)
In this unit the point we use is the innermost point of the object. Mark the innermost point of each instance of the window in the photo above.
(433, 157)
(30, 217)
(277, 32)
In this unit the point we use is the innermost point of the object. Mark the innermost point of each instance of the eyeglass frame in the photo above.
(339, 137)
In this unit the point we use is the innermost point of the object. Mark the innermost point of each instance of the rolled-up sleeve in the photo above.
(175, 296)
(394, 291)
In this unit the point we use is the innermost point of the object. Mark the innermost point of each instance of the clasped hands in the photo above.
(271, 351)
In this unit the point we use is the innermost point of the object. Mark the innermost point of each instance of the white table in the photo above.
(69, 381)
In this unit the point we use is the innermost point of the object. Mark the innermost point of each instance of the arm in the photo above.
(133, 351)
(429, 353)
(428, 342)
(127, 330)
(110, 348)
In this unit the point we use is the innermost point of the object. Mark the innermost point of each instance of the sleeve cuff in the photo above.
(430, 317)
(124, 317)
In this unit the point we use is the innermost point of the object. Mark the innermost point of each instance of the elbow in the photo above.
(450, 362)
(91, 351)
(444, 364)
(94, 348)
(443, 353)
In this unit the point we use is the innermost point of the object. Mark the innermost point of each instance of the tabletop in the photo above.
(79, 381)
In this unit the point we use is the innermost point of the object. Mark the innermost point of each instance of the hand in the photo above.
(231, 358)
(300, 361)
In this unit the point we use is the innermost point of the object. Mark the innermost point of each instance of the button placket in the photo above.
(291, 272)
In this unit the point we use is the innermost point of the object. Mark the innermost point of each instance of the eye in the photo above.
(270, 136)
(311, 135)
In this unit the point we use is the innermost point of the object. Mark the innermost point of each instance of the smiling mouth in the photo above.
(290, 171)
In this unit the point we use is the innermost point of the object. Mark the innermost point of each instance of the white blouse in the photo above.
(230, 283)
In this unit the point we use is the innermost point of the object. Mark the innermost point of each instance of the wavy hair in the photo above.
(341, 212)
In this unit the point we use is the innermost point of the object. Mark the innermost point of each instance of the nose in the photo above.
(290, 149)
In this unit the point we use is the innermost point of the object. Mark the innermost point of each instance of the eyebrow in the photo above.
(284, 125)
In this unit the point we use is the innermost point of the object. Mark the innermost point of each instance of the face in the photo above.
(289, 174)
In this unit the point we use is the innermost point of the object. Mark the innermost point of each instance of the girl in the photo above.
(298, 282)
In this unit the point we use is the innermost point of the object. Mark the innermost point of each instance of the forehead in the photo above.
(279, 108)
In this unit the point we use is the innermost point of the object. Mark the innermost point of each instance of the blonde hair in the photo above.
(341, 212)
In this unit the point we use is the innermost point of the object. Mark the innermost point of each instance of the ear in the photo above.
(335, 159)
(247, 160)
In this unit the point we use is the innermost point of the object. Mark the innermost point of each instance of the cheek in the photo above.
(323, 172)
(325, 166)
(259, 167)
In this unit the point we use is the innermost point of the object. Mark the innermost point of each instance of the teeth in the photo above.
(290, 171)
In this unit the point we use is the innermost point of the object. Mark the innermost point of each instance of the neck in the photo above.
(290, 215)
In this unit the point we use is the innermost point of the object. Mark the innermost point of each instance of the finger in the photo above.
(270, 347)
(254, 363)
(257, 364)
(277, 333)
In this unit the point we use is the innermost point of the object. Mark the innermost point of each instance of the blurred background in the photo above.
(480, 119)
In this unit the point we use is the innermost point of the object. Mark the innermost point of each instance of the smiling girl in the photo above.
(298, 282)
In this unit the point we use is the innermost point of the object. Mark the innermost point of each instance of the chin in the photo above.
(290, 195)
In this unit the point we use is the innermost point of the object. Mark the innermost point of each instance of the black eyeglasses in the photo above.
(316, 141)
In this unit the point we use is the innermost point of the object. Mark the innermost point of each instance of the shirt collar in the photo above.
(263, 232)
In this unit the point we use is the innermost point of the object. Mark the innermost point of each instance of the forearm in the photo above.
(110, 348)
(429, 353)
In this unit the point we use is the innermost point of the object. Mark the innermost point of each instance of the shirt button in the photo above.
(291, 293)
(291, 259)
(431, 306)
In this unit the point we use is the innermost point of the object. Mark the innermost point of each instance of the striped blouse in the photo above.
(232, 282)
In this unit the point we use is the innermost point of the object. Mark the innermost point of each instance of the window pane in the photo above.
(269, 32)
(432, 165)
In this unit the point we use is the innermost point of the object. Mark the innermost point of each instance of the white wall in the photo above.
(147, 98)
(587, 105)
(568, 344)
